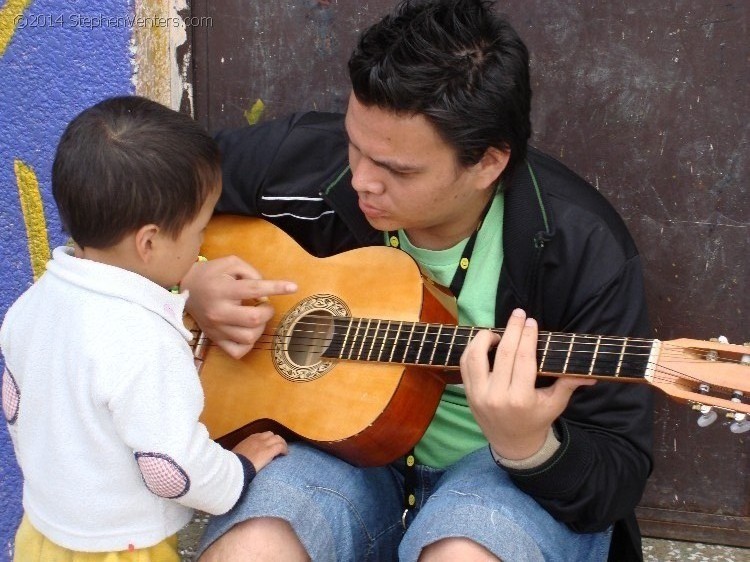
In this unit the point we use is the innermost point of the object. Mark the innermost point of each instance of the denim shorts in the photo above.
(344, 513)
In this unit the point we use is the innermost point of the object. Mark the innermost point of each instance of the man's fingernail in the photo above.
(519, 312)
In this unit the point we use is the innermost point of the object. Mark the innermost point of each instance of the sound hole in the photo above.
(310, 336)
(304, 334)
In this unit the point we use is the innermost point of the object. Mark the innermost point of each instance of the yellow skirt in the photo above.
(33, 546)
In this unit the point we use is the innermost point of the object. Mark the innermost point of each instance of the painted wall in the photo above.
(56, 59)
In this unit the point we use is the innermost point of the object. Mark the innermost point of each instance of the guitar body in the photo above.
(363, 412)
(355, 362)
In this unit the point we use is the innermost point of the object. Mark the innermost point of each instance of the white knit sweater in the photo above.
(102, 401)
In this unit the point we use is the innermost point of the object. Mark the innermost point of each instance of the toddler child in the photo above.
(99, 390)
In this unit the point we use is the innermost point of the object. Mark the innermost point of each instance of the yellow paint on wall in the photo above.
(253, 114)
(152, 51)
(33, 216)
(10, 16)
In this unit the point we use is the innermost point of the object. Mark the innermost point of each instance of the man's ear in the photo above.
(145, 241)
(491, 165)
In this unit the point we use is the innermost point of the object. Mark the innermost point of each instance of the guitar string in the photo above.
(667, 351)
(657, 370)
(579, 339)
(428, 325)
(657, 377)
(580, 347)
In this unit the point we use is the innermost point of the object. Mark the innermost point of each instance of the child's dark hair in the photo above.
(457, 63)
(127, 162)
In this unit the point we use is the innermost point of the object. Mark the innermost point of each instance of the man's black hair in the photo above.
(457, 63)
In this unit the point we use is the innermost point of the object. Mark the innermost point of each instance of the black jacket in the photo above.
(569, 261)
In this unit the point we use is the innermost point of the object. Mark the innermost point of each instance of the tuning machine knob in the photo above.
(713, 355)
(707, 417)
(740, 424)
(708, 414)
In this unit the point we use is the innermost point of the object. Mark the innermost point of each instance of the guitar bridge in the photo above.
(199, 351)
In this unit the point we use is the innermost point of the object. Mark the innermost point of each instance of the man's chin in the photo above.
(382, 224)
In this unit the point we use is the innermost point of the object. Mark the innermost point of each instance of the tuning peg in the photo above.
(745, 359)
(740, 423)
(707, 417)
(713, 355)
(740, 426)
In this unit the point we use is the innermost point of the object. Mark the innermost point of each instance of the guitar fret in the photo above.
(382, 345)
(421, 345)
(356, 333)
(408, 342)
(346, 337)
(380, 340)
(364, 339)
(544, 353)
(472, 332)
(622, 355)
(374, 340)
(567, 357)
(635, 361)
(395, 341)
(437, 343)
(596, 352)
(450, 347)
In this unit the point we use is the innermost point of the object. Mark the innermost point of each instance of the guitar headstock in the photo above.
(710, 375)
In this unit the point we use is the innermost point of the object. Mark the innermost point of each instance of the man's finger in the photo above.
(258, 289)
(475, 364)
(525, 368)
(506, 350)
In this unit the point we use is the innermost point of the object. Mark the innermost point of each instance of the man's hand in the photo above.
(261, 448)
(218, 289)
(513, 414)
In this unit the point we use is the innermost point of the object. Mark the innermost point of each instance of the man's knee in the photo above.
(456, 548)
(262, 539)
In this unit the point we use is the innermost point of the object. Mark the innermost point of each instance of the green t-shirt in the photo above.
(453, 433)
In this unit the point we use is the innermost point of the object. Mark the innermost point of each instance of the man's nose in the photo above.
(367, 177)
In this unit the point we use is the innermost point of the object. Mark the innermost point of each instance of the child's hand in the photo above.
(261, 448)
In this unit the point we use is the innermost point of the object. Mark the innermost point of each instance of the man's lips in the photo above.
(370, 211)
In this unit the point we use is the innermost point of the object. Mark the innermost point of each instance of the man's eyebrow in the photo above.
(396, 166)
(392, 165)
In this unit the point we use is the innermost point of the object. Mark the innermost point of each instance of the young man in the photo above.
(432, 157)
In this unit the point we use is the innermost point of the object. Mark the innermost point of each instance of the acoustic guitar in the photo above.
(355, 362)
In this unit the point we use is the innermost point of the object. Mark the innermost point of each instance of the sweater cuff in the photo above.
(549, 448)
(562, 472)
(248, 472)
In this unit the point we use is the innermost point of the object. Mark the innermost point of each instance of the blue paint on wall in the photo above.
(64, 57)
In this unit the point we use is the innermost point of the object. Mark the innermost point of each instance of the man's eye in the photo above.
(401, 173)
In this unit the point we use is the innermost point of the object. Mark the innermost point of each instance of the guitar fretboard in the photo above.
(441, 345)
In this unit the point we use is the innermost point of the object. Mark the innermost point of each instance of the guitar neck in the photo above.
(441, 346)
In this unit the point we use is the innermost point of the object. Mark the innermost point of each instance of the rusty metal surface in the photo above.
(290, 54)
(649, 102)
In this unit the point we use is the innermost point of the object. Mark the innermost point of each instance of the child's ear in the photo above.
(145, 239)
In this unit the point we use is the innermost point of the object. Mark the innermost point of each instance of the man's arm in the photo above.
(229, 301)
(275, 170)
(598, 474)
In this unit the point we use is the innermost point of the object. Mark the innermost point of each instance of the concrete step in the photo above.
(654, 550)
